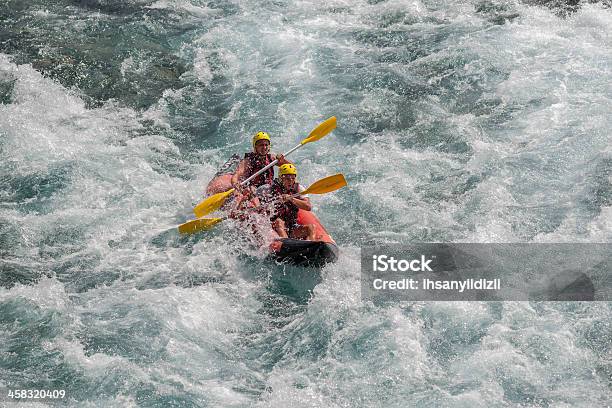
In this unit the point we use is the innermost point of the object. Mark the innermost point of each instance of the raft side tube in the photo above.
(308, 217)
(301, 252)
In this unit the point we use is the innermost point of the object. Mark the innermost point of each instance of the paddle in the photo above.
(326, 185)
(200, 224)
(215, 201)
(323, 186)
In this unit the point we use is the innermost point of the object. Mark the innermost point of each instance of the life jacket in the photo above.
(255, 163)
(286, 211)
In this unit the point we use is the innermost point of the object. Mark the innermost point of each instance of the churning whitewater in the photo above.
(458, 121)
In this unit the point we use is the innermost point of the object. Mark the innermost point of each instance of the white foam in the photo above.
(548, 74)
(47, 293)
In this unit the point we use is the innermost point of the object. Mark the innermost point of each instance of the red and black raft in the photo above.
(299, 252)
(319, 252)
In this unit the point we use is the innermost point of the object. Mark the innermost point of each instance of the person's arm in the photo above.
(237, 205)
(281, 160)
(238, 175)
(301, 202)
(252, 199)
(255, 203)
(245, 199)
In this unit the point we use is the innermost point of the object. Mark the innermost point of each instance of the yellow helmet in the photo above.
(261, 136)
(287, 169)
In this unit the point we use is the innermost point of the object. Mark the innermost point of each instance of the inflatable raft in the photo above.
(301, 252)
(294, 251)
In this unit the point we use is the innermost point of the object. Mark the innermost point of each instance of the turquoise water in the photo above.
(477, 121)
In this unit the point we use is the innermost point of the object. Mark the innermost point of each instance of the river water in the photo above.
(458, 121)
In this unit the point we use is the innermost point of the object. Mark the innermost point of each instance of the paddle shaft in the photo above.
(245, 182)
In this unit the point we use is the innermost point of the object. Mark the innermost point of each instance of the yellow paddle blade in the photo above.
(320, 131)
(212, 203)
(326, 185)
(200, 224)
